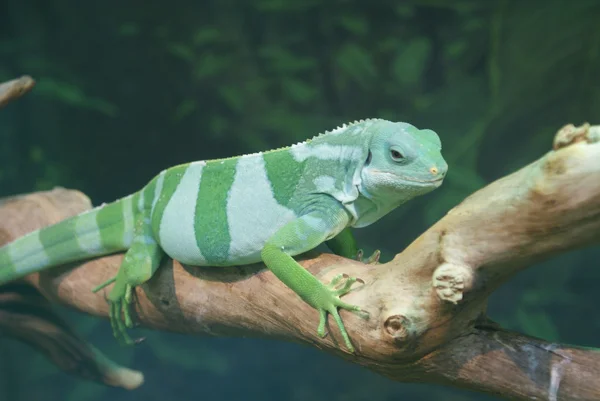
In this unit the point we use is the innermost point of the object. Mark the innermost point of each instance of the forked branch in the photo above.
(427, 320)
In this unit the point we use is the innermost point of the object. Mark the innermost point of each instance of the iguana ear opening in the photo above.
(369, 157)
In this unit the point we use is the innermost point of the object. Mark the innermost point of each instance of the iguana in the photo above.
(267, 206)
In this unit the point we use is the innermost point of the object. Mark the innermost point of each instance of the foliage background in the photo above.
(126, 89)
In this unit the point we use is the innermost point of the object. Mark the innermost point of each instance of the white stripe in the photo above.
(27, 254)
(158, 189)
(176, 232)
(87, 232)
(140, 205)
(145, 240)
(253, 214)
(325, 151)
(127, 220)
(325, 184)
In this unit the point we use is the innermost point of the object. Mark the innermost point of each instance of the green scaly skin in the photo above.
(268, 206)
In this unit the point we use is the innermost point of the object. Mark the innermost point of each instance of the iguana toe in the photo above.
(330, 302)
(120, 299)
(371, 260)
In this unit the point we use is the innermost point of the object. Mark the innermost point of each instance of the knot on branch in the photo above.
(397, 326)
(570, 134)
(451, 281)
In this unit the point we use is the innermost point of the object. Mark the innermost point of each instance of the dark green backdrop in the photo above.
(126, 89)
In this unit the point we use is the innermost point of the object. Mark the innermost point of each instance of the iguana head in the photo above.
(403, 162)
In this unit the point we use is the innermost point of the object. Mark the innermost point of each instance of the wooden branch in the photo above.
(13, 89)
(27, 316)
(426, 307)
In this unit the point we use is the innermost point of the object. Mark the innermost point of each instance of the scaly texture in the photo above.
(266, 206)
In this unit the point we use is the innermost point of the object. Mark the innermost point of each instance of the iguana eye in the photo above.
(396, 155)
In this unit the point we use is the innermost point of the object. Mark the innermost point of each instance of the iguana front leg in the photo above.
(139, 264)
(344, 244)
(299, 236)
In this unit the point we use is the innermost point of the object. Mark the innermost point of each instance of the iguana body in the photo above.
(266, 206)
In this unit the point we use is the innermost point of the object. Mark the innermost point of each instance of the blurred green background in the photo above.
(126, 89)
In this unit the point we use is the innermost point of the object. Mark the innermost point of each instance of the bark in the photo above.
(426, 308)
(13, 89)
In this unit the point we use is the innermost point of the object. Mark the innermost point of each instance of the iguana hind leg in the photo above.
(344, 244)
(138, 266)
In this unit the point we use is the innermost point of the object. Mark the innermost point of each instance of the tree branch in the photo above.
(28, 316)
(13, 89)
(426, 307)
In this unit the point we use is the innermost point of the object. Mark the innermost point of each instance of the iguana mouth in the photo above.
(410, 179)
(422, 181)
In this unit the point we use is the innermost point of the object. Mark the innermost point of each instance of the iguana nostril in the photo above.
(434, 170)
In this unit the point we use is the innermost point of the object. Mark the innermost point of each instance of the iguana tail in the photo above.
(103, 230)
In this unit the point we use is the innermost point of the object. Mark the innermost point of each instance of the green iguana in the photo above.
(267, 206)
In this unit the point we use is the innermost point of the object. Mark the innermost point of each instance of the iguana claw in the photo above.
(371, 260)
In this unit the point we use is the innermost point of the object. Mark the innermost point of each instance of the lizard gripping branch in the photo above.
(421, 328)
(263, 207)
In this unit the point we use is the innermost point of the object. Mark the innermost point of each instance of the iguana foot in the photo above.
(371, 260)
(120, 300)
(329, 301)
